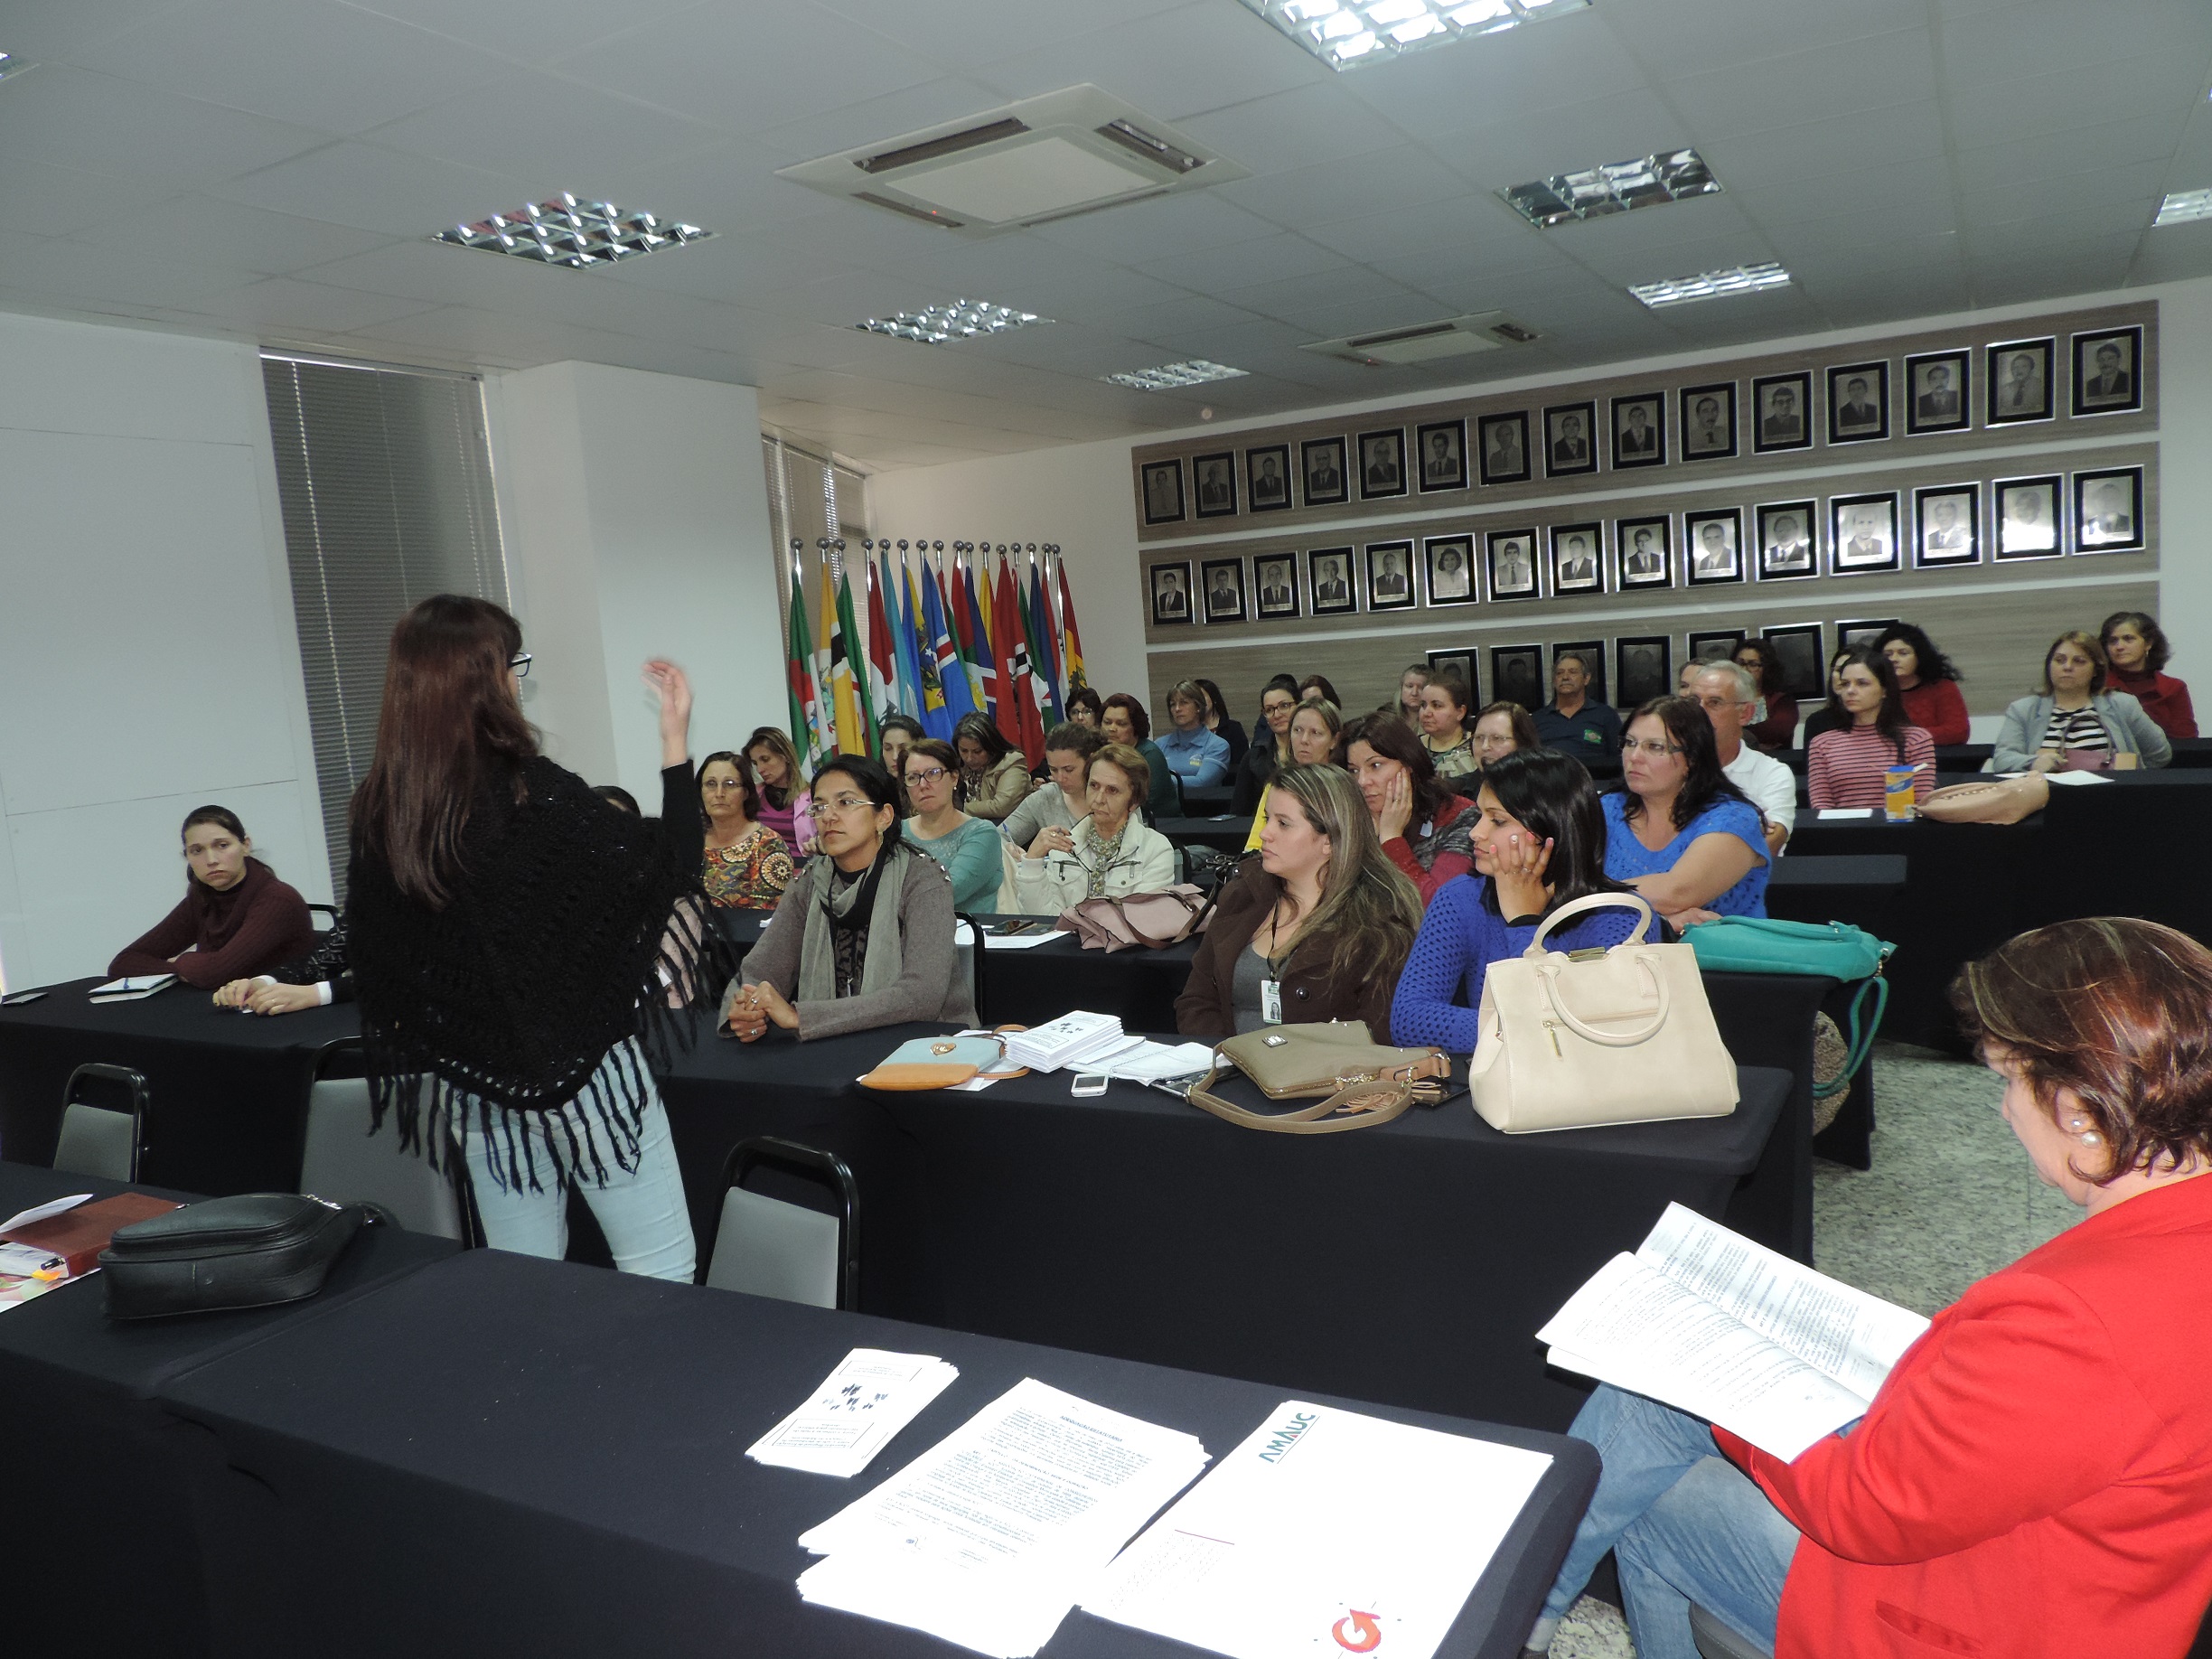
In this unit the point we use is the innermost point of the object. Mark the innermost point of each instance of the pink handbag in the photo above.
(2001, 800)
(1151, 920)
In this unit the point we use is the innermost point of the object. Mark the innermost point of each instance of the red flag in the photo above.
(882, 670)
(1072, 649)
(1018, 712)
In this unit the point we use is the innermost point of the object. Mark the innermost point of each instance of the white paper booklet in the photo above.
(855, 1413)
(1325, 1532)
(131, 988)
(1710, 1323)
(1073, 1037)
(1150, 1062)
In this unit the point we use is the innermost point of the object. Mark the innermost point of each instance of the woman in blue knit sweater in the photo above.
(1540, 842)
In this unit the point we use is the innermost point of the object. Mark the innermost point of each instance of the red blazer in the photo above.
(2035, 1478)
(1936, 707)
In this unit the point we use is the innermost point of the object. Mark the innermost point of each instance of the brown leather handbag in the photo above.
(2001, 800)
(1360, 1081)
(1151, 920)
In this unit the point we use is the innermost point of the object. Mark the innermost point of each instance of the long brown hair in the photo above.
(1704, 781)
(449, 724)
(1369, 912)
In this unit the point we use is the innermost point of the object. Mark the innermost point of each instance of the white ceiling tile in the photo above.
(1911, 133)
(1177, 316)
(225, 232)
(2117, 144)
(2077, 191)
(536, 125)
(1861, 76)
(2088, 94)
(841, 125)
(1575, 59)
(1474, 229)
(1674, 39)
(49, 31)
(1172, 65)
(527, 33)
(2029, 40)
(1303, 127)
(731, 187)
(74, 120)
(1499, 153)
(50, 201)
(1009, 26)
(1217, 268)
(373, 188)
(1158, 227)
(2174, 253)
(1404, 177)
(1891, 297)
(285, 303)
(1291, 299)
(1387, 308)
(727, 267)
(142, 276)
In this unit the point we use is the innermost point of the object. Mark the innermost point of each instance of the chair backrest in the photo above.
(102, 1139)
(971, 954)
(343, 1161)
(772, 1246)
(1716, 1640)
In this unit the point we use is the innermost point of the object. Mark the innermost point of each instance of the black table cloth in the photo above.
(504, 1456)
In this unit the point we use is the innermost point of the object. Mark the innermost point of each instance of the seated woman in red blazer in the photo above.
(235, 920)
(2035, 1477)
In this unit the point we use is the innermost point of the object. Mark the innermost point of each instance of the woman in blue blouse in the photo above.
(1682, 834)
(1540, 842)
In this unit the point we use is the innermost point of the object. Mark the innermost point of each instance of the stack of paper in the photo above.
(1151, 1062)
(1073, 1039)
(987, 1539)
(855, 1413)
(1325, 1532)
(129, 989)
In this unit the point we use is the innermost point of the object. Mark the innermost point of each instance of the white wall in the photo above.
(148, 660)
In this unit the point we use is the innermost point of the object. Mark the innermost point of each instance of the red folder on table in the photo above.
(78, 1235)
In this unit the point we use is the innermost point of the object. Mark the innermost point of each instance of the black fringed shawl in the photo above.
(567, 929)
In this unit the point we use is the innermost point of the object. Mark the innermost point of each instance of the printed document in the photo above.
(856, 1412)
(1710, 1323)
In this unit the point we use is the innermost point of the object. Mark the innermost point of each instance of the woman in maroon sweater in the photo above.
(1928, 681)
(2136, 653)
(236, 919)
(1776, 727)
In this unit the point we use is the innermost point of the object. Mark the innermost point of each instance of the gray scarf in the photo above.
(817, 952)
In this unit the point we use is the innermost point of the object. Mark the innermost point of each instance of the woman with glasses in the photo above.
(1444, 725)
(968, 847)
(994, 775)
(1680, 833)
(783, 804)
(1846, 767)
(1314, 730)
(1111, 853)
(747, 866)
(1423, 826)
(1270, 748)
(864, 935)
(1503, 729)
(2135, 654)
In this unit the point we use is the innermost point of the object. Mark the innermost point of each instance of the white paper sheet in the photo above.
(42, 1212)
(1847, 811)
(855, 1413)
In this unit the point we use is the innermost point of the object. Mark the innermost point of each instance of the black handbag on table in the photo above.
(251, 1250)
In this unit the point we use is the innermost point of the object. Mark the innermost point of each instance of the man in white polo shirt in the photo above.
(1726, 693)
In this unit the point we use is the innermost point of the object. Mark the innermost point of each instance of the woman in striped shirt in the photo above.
(1844, 768)
(2076, 722)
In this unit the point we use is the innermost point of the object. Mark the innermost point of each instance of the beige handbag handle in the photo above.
(1315, 1119)
(1583, 907)
(1623, 1039)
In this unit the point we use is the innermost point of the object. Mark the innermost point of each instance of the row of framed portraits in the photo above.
(1857, 534)
(1646, 429)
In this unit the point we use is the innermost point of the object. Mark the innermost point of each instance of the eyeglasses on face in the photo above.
(721, 783)
(1657, 751)
(842, 804)
(520, 663)
(925, 774)
(1491, 740)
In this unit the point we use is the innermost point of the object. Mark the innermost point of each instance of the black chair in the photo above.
(972, 956)
(797, 1236)
(98, 1139)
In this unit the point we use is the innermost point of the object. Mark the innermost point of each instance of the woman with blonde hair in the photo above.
(784, 805)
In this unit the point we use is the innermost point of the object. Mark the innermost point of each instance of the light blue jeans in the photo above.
(1686, 1526)
(640, 1210)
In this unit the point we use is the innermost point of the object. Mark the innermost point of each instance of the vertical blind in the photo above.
(385, 479)
(807, 495)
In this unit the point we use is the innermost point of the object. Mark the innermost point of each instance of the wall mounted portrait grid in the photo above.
(1805, 665)
(1577, 559)
(2026, 514)
(1862, 533)
(1171, 601)
(1322, 468)
(1450, 562)
(1382, 464)
(1222, 580)
(2108, 510)
(2017, 374)
(1643, 552)
(1946, 525)
(1502, 445)
(1939, 391)
(2107, 374)
(1275, 584)
(1782, 412)
(1713, 546)
(1511, 556)
(1639, 430)
(1389, 575)
(1788, 540)
(1163, 492)
(1267, 477)
(1708, 422)
(1214, 482)
(1570, 439)
(1440, 455)
(1642, 668)
(1859, 402)
(1516, 675)
(1329, 581)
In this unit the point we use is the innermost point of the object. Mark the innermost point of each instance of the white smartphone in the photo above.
(1088, 1084)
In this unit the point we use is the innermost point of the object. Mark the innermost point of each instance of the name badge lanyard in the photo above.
(1271, 987)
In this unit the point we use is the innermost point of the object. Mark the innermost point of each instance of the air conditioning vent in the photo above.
(1425, 342)
(912, 154)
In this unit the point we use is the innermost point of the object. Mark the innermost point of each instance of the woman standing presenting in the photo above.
(506, 931)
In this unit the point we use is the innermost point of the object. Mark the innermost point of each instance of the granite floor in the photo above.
(1950, 1198)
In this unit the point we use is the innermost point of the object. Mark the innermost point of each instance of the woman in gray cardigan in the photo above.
(863, 936)
(2074, 712)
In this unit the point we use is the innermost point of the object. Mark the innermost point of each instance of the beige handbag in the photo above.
(2001, 800)
(1153, 920)
(1360, 1081)
(1573, 1039)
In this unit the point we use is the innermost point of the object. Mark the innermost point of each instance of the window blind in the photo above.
(384, 480)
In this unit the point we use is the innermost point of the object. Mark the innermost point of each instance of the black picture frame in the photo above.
(1593, 655)
(1861, 634)
(2092, 393)
(1643, 668)
(1460, 660)
(1214, 485)
(1804, 665)
(1221, 581)
(1496, 463)
(1846, 423)
(1647, 564)
(1258, 474)
(1862, 533)
(1945, 541)
(1161, 487)
(1776, 429)
(1570, 451)
(1332, 585)
(1588, 560)
(2099, 525)
(1628, 452)
(1713, 645)
(1516, 675)
(1702, 441)
(1382, 464)
(1452, 585)
(1453, 473)
(1283, 567)
(1513, 553)
(1178, 611)
(1701, 566)
(1938, 392)
(1389, 575)
(1324, 479)
(1786, 554)
(2013, 399)
(2013, 535)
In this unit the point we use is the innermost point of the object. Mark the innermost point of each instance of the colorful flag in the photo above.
(915, 638)
(1017, 711)
(975, 647)
(1072, 665)
(825, 705)
(799, 662)
(951, 671)
(901, 606)
(855, 721)
(883, 682)
(1044, 656)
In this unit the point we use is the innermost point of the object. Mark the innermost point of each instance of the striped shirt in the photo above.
(1845, 767)
(2078, 728)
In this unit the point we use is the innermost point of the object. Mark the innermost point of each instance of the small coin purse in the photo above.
(940, 1063)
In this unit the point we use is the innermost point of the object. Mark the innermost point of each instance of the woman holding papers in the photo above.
(2035, 1477)
(1111, 853)
(235, 919)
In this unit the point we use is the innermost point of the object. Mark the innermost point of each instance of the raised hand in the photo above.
(670, 684)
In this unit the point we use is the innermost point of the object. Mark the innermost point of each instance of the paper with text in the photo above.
(855, 1413)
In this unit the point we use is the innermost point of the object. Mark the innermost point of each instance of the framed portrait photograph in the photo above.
(1577, 559)
(1223, 582)
(1441, 446)
(1714, 646)
(1382, 464)
(1163, 492)
(1504, 443)
(1459, 663)
(1389, 575)
(1275, 584)
(1321, 467)
(1946, 525)
(1781, 412)
(1642, 668)
(1570, 439)
(1329, 582)
(1171, 601)
(1708, 422)
(1512, 558)
(1862, 533)
(2108, 510)
(1639, 430)
(2107, 371)
(1215, 482)
(1797, 646)
(2027, 515)
(1451, 569)
(1644, 554)
(1861, 635)
(2019, 373)
(1516, 675)
(1267, 477)
(1788, 540)
(1712, 543)
(1591, 654)
(1938, 392)
(1857, 403)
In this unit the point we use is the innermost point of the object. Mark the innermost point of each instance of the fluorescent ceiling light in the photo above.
(1615, 187)
(1170, 377)
(963, 319)
(1346, 33)
(572, 232)
(1711, 284)
(2181, 206)
(10, 65)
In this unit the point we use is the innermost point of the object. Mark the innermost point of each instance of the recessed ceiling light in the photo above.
(1711, 284)
(2181, 206)
(963, 319)
(572, 232)
(1615, 187)
(10, 65)
(1169, 377)
(1346, 33)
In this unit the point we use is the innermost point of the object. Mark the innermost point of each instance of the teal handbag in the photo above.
(1830, 950)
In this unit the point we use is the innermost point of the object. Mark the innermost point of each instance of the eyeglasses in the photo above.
(842, 804)
(930, 774)
(1488, 740)
(721, 783)
(520, 663)
(1657, 751)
